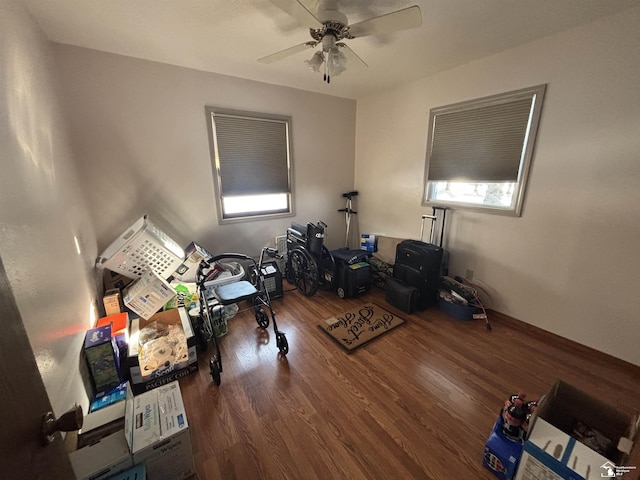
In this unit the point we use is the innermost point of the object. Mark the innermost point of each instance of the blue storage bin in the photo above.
(460, 312)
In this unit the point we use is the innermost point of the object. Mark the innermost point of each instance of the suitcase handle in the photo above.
(434, 217)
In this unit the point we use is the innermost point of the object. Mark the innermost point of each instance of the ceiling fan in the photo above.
(328, 27)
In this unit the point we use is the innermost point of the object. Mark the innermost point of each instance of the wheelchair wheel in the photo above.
(304, 271)
(214, 369)
(282, 343)
(327, 275)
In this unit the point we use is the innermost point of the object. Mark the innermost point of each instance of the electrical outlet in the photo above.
(468, 274)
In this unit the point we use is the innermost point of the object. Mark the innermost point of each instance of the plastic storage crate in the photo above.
(141, 247)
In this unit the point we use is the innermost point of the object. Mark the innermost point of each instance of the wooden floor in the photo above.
(416, 403)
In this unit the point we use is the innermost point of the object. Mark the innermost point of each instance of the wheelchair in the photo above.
(215, 295)
(310, 265)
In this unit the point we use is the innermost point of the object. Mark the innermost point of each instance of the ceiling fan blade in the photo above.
(400, 20)
(299, 12)
(274, 57)
(351, 55)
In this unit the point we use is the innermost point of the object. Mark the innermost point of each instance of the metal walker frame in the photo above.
(253, 290)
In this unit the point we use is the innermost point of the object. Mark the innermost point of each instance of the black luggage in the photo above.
(400, 295)
(418, 265)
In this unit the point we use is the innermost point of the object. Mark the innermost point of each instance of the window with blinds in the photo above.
(479, 151)
(250, 156)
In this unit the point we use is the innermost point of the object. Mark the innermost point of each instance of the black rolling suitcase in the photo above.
(418, 265)
(416, 273)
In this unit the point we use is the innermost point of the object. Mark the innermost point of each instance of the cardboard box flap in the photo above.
(562, 406)
(574, 412)
(625, 444)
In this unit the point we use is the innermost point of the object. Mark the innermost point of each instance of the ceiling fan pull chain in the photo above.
(326, 69)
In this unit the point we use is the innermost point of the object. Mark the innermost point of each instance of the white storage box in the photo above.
(158, 434)
(148, 294)
(142, 247)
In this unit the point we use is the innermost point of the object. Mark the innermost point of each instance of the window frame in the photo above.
(224, 218)
(536, 94)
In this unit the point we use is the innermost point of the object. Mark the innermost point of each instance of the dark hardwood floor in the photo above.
(416, 403)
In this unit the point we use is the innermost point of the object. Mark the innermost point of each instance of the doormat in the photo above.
(360, 325)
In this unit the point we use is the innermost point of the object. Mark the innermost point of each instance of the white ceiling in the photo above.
(228, 36)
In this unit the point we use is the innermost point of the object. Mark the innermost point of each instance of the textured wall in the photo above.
(140, 135)
(570, 263)
(46, 237)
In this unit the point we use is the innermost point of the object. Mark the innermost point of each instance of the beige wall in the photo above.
(46, 237)
(117, 139)
(136, 133)
(570, 264)
(140, 135)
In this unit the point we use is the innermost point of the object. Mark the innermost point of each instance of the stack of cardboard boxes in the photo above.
(137, 426)
(149, 432)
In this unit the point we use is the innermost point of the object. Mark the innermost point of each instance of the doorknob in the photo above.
(68, 422)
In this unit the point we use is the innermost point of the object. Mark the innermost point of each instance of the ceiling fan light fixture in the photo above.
(336, 62)
(316, 61)
(328, 27)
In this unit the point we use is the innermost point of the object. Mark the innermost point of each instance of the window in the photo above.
(479, 151)
(251, 160)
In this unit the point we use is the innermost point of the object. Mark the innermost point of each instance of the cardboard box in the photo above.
(102, 459)
(194, 254)
(501, 454)
(110, 397)
(112, 300)
(148, 294)
(119, 323)
(101, 449)
(101, 423)
(158, 434)
(148, 385)
(102, 355)
(136, 473)
(576, 436)
(142, 383)
(368, 242)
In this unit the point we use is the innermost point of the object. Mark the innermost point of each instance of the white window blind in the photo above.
(480, 145)
(250, 155)
(479, 151)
